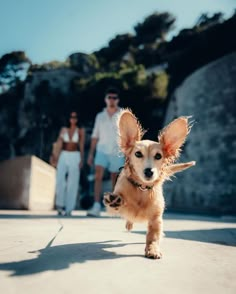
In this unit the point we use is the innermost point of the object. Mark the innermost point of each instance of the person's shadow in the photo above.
(62, 256)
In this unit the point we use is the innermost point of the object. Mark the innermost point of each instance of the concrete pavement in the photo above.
(43, 253)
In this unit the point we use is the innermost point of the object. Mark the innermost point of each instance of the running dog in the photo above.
(138, 195)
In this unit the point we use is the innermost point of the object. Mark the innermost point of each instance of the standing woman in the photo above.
(69, 164)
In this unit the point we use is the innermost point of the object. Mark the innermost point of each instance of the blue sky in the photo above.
(53, 29)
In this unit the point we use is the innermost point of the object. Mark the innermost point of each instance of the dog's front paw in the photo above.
(151, 251)
(112, 200)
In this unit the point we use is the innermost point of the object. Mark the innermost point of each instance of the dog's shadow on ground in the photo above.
(62, 256)
(220, 236)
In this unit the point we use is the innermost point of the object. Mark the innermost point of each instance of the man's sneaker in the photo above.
(95, 210)
(67, 213)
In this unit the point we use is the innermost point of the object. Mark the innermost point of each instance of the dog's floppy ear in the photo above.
(129, 130)
(173, 137)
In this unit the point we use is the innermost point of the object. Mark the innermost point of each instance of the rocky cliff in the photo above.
(208, 95)
(30, 120)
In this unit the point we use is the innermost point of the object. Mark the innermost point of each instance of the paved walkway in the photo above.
(42, 253)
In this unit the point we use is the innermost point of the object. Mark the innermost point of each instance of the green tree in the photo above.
(14, 67)
(86, 64)
(159, 85)
(120, 44)
(154, 27)
(117, 48)
(205, 21)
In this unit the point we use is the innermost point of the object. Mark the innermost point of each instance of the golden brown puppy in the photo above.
(137, 195)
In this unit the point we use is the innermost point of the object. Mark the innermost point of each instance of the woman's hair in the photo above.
(68, 118)
(73, 111)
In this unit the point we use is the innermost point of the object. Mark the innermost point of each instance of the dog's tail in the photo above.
(176, 168)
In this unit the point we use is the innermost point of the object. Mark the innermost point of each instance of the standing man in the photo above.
(104, 142)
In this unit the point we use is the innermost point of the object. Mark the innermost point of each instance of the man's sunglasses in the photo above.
(73, 116)
(115, 97)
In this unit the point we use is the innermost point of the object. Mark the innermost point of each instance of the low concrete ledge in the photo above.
(27, 182)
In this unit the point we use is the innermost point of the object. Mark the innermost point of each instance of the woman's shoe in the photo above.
(60, 211)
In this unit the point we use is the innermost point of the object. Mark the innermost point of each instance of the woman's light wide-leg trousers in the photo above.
(67, 181)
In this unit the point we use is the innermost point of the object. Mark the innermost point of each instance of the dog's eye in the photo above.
(158, 156)
(138, 154)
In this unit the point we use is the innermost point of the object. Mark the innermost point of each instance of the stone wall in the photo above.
(209, 96)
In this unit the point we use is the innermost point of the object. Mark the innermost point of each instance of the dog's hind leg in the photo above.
(129, 225)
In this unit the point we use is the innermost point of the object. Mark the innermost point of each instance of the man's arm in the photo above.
(92, 150)
(94, 139)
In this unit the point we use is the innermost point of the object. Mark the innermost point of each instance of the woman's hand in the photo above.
(81, 164)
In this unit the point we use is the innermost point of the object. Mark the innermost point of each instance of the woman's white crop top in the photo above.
(66, 138)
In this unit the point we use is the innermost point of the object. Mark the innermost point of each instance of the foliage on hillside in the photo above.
(145, 67)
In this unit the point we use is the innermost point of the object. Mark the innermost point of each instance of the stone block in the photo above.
(27, 182)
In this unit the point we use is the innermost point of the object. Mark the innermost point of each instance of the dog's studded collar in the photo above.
(140, 186)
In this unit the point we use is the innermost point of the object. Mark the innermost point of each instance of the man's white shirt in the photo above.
(105, 130)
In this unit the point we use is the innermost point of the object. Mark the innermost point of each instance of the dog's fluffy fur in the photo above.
(137, 195)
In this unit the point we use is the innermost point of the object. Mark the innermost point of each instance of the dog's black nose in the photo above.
(148, 172)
